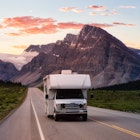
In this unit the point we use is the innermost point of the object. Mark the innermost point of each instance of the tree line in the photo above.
(9, 83)
(134, 85)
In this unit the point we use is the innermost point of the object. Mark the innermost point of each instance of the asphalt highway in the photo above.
(29, 122)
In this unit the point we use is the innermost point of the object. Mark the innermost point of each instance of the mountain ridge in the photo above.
(7, 70)
(92, 51)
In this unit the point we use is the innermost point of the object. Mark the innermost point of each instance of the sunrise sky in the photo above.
(26, 22)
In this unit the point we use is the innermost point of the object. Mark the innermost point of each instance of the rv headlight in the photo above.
(83, 106)
(58, 106)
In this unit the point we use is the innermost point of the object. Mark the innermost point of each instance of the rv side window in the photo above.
(69, 94)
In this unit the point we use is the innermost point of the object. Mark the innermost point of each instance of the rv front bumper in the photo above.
(72, 112)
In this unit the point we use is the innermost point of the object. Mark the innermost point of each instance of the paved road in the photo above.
(29, 122)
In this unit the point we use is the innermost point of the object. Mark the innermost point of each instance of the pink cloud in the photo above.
(14, 34)
(77, 10)
(101, 25)
(114, 13)
(49, 29)
(72, 9)
(28, 25)
(26, 21)
(70, 25)
(93, 13)
(20, 47)
(65, 9)
(123, 24)
(1, 26)
(103, 13)
(131, 7)
(98, 8)
(109, 13)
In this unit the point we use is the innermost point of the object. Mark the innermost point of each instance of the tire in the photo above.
(55, 116)
(85, 117)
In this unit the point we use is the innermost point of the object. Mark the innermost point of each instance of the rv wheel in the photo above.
(85, 117)
(55, 116)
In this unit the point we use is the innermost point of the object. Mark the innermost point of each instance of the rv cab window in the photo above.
(69, 94)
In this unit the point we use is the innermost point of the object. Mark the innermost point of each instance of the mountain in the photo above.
(136, 50)
(7, 70)
(92, 51)
(20, 60)
(40, 48)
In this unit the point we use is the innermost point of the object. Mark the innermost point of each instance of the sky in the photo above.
(39, 22)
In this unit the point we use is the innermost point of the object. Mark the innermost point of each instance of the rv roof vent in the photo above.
(66, 72)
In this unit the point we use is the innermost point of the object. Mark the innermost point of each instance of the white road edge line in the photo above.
(37, 120)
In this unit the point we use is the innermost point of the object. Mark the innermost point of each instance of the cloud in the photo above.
(26, 21)
(77, 10)
(13, 34)
(131, 7)
(71, 9)
(114, 13)
(70, 25)
(27, 25)
(97, 8)
(109, 13)
(101, 25)
(48, 29)
(20, 47)
(123, 24)
(103, 13)
(93, 13)
(1, 26)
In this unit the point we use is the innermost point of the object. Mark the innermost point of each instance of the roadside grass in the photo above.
(11, 96)
(122, 100)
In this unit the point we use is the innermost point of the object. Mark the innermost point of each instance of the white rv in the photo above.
(66, 94)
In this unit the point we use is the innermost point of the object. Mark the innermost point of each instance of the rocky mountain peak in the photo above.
(70, 40)
(70, 37)
(93, 51)
(92, 37)
(92, 31)
(41, 48)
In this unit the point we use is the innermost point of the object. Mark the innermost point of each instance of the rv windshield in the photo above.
(69, 94)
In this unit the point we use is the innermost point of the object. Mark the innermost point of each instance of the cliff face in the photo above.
(7, 70)
(41, 48)
(93, 51)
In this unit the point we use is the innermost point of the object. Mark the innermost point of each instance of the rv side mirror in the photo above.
(46, 96)
(91, 96)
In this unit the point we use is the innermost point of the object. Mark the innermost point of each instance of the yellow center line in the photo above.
(119, 128)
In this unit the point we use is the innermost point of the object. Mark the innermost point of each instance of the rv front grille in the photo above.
(71, 106)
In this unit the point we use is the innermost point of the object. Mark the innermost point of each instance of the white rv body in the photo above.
(66, 94)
